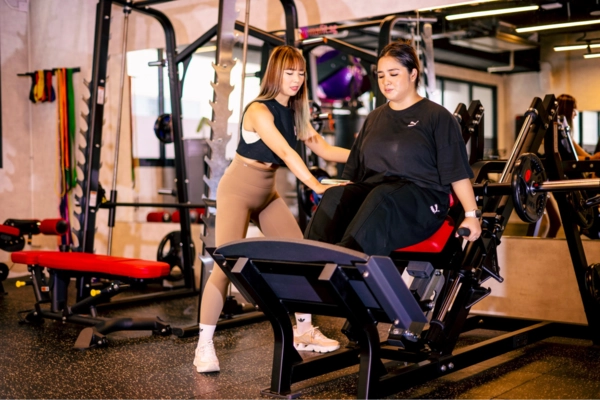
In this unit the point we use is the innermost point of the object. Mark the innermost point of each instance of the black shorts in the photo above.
(378, 218)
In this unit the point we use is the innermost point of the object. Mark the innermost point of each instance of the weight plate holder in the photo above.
(527, 174)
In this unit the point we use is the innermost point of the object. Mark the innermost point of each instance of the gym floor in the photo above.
(40, 362)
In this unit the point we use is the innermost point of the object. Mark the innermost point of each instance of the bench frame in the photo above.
(51, 300)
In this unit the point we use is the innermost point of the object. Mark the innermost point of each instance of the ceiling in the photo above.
(484, 42)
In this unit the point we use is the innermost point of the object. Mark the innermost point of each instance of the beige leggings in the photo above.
(246, 192)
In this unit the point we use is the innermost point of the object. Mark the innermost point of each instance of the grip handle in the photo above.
(463, 232)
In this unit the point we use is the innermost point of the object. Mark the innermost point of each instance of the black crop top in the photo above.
(284, 122)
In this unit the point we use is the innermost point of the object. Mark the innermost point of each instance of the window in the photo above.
(196, 95)
(586, 130)
(450, 92)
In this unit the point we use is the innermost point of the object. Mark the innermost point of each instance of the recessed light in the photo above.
(557, 26)
(491, 12)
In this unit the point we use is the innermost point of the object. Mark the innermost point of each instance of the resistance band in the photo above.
(66, 144)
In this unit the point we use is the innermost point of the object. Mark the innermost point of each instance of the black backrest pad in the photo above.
(301, 270)
(302, 250)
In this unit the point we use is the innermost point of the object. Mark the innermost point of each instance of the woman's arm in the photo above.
(320, 147)
(581, 153)
(259, 119)
(464, 192)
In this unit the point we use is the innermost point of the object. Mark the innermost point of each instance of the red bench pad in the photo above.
(435, 243)
(29, 257)
(95, 263)
(10, 230)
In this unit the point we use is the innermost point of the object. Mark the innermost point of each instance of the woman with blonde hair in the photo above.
(271, 126)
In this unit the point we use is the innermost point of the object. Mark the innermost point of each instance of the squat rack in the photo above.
(90, 201)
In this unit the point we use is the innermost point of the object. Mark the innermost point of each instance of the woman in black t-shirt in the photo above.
(270, 127)
(408, 157)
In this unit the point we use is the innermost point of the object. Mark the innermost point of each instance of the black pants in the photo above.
(377, 218)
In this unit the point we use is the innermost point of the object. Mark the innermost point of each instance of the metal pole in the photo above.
(113, 192)
(567, 185)
(244, 57)
(516, 151)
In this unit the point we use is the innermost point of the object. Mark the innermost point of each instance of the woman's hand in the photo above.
(472, 224)
(320, 189)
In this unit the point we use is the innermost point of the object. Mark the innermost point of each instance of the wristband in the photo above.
(473, 214)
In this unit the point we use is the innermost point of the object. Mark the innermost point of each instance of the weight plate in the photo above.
(592, 281)
(170, 251)
(162, 128)
(528, 172)
(584, 216)
(3, 271)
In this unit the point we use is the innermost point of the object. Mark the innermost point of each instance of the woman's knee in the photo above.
(218, 279)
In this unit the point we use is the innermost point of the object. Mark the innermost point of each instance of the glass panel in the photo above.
(454, 93)
(590, 128)
(576, 129)
(486, 97)
(144, 102)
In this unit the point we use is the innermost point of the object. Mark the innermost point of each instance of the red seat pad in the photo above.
(435, 243)
(86, 262)
(10, 230)
(29, 257)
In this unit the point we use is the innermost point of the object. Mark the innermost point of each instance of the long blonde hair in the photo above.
(282, 58)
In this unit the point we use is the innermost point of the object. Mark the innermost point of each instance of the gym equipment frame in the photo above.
(304, 276)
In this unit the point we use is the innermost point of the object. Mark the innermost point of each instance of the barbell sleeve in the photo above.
(567, 185)
(502, 189)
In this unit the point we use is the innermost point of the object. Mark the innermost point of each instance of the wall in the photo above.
(561, 72)
(60, 33)
(449, 71)
(42, 38)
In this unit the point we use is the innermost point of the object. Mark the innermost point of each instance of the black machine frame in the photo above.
(269, 277)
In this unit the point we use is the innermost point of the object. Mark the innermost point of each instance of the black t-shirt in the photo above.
(284, 122)
(422, 143)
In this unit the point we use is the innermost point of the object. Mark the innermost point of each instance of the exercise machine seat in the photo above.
(94, 263)
(436, 242)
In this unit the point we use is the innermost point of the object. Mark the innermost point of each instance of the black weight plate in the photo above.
(162, 128)
(3, 271)
(584, 216)
(527, 173)
(169, 251)
(592, 281)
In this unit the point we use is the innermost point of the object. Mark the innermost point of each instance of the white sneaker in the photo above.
(206, 359)
(314, 340)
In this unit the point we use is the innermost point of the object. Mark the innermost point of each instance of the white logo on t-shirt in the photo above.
(434, 209)
(413, 123)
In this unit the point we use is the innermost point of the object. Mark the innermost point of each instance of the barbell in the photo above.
(529, 190)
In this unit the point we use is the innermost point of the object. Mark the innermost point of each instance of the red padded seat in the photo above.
(94, 263)
(435, 243)
(10, 230)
